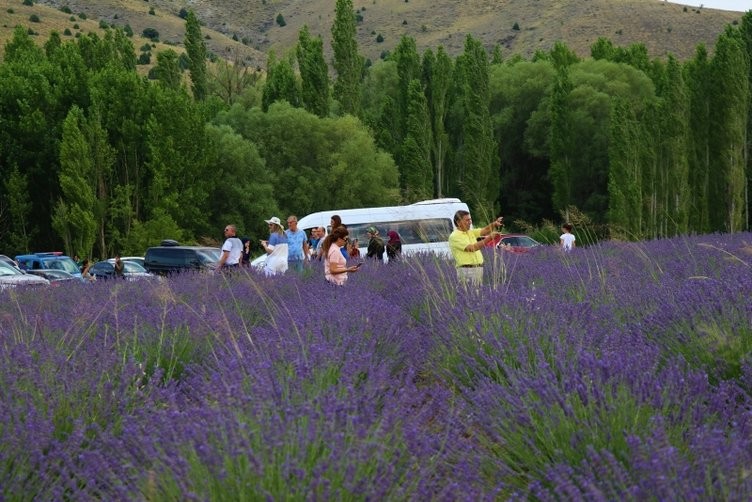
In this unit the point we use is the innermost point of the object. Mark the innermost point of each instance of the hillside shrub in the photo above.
(82, 15)
(34, 18)
(183, 13)
(151, 11)
(67, 32)
(144, 58)
(281, 20)
(516, 26)
(28, 2)
(66, 9)
(103, 24)
(379, 38)
(151, 33)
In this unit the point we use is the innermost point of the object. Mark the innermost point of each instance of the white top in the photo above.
(235, 247)
(567, 241)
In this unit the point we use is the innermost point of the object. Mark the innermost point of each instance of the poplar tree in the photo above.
(73, 217)
(625, 208)
(280, 83)
(729, 123)
(560, 171)
(438, 74)
(408, 68)
(196, 50)
(417, 176)
(698, 71)
(347, 62)
(479, 181)
(22, 230)
(673, 120)
(314, 74)
(167, 69)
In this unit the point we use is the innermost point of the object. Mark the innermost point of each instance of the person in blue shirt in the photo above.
(297, 245)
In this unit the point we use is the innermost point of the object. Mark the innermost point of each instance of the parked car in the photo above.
(106, 270)
(54, 260)
(11, 277)
(170, 257)
(515, 243)
(10, 261)
(56, 277)
(137, 259)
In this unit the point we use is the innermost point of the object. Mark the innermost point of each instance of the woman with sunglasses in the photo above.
(335, 264)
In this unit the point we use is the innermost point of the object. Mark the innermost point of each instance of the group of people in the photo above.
(291, 248)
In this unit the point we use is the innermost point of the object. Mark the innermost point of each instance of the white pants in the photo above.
(471, 275)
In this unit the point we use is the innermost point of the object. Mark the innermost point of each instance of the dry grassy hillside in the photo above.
(518, 26)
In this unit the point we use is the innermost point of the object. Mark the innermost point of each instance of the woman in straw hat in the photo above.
(275, 247)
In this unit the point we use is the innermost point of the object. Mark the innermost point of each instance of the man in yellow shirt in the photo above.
(465, 246)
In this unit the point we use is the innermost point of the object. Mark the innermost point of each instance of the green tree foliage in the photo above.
(243, 188)
(179, 179)
(21, 229)
(730, 105)
(196, 49)
(74, 215)
(626, 152)
(745, 30)
(437, 77)
(281, 84)
(317, 163)
(314, 74)
(408, 69)
(672, 200)
(232, 79)
(416, 172)
(580, 107)
(478, 176)
(520, 98)
(168, 69)
(699, 71)
(348, 63)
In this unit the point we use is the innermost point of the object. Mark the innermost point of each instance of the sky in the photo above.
(735, 5)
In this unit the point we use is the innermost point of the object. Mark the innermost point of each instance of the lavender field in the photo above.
(616, 372)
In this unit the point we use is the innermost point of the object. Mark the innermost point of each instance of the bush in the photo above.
(66, 9)
(103, 24)
(82, 15)
(183, 13)
(151, 11)
(379, 38)
(34, 18)
(144, 58)
(516, 27)
(128, 30)
(10, 11)
(281, 20)
(28, 2)
(72, 19)
(151, 33)
(67, 32)
(76, 26)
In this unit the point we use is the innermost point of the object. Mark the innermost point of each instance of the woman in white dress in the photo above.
(275, 247)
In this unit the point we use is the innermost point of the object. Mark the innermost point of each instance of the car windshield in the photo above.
(133, 267)
(66, 264)
(6, 269)
(209, 255)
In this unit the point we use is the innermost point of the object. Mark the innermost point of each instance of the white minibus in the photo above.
(423, 226)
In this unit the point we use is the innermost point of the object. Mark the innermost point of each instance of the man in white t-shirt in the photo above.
(232, 249)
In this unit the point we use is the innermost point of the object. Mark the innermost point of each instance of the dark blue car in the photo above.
(53, 260)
